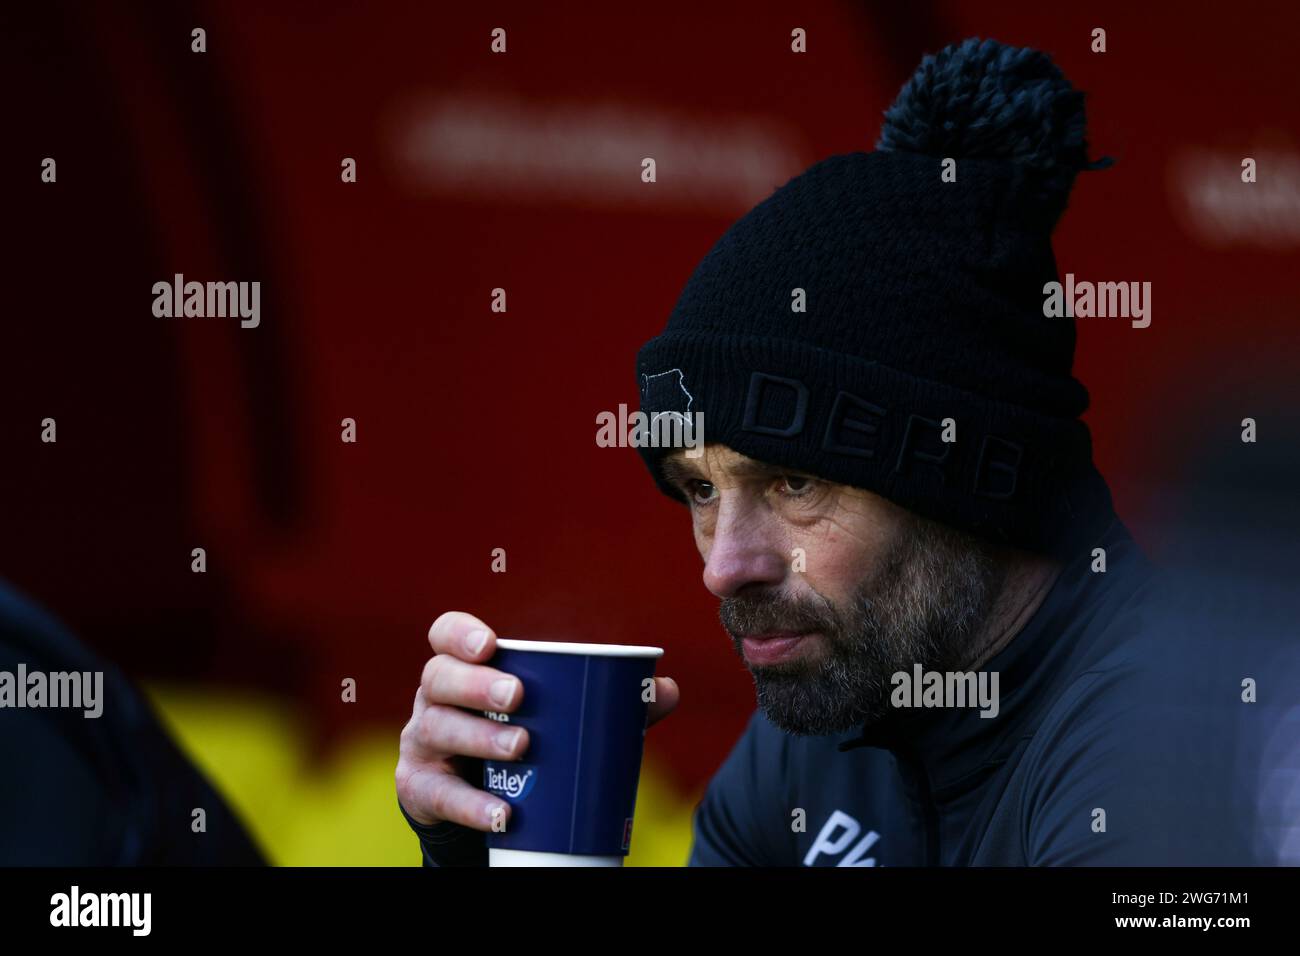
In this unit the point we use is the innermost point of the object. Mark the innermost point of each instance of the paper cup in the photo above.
(573, 793)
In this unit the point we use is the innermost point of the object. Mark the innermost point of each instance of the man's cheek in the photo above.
(815, 555)
(833, 573)
(703, 537)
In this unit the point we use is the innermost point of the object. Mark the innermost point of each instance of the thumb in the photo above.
(666, 699)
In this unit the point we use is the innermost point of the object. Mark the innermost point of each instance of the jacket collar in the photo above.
(956, 748)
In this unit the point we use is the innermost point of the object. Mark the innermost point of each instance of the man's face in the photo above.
(827, 591)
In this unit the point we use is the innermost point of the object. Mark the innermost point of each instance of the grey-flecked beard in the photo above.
(926, 604)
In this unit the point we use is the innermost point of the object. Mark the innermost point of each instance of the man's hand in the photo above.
(430, 785)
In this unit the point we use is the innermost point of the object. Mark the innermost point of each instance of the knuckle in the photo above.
(437, 675)
(412, 735)
(439, 801)
(430, 727)
(407, 793)
(440, 623)
(448, 733)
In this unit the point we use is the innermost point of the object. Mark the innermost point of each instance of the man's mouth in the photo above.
(773, 647)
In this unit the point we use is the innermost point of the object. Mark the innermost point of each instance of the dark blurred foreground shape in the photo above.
(111, 790)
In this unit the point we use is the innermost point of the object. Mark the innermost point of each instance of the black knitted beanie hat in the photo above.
(878, 321)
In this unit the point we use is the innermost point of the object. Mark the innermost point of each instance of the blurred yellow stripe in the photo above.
(344, 812)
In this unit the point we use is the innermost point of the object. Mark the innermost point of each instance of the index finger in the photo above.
(462, 635)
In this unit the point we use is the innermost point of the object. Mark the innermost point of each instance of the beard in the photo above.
(926, 605)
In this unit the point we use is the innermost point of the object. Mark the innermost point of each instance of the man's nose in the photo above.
(743, 551)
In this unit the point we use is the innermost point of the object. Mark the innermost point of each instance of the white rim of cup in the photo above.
(567, 647)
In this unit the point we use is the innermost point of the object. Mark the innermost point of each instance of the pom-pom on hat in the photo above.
(981, 99)
(922, 367)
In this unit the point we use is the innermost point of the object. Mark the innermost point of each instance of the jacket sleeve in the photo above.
(448, 844)
(742, 819)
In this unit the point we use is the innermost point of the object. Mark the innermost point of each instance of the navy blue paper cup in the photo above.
(573, 793)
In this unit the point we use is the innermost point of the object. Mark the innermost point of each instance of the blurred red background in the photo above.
(476, 429)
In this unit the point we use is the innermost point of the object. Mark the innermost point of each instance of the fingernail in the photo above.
(507, 739)
(502, 691)
(475, 641)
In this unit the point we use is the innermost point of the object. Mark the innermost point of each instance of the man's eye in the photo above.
(796, 485)
(700, 492)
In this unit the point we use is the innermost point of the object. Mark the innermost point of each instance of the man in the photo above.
(897, 507)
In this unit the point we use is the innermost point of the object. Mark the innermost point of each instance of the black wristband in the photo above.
(448, 844)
